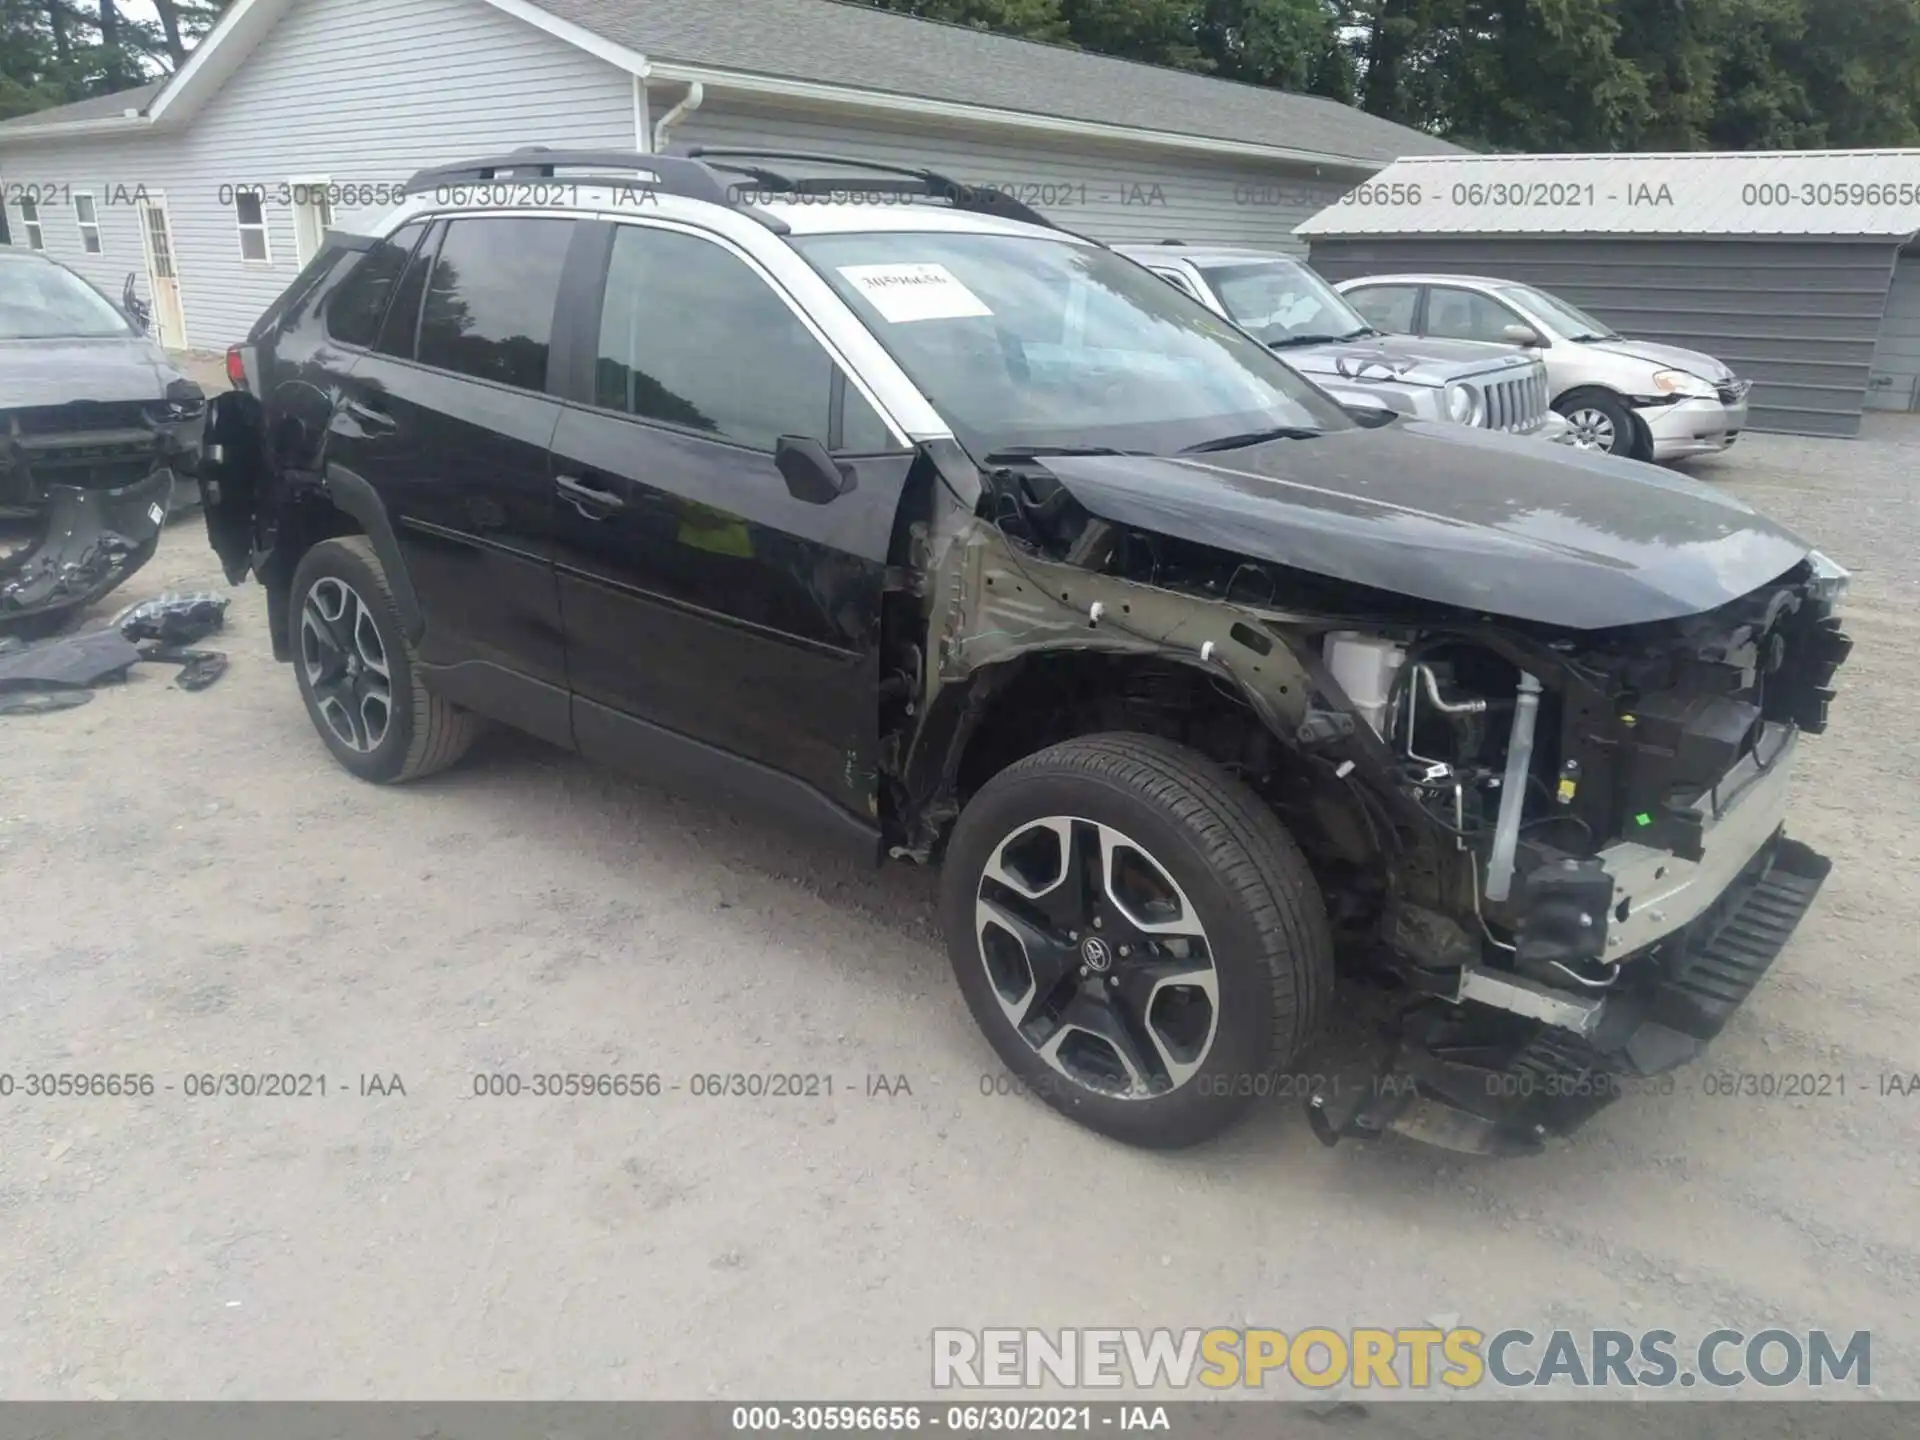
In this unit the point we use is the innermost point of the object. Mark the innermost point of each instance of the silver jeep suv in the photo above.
(1303, 318)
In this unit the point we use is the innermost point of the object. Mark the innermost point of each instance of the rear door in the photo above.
(715, 622)
(1392, 309)
(448, 418)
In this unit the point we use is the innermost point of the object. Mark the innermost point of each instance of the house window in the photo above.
(30, 222)
(6, 234)
(89, 219)
(251, 212)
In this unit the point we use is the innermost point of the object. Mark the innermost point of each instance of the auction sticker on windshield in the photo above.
(914, 292)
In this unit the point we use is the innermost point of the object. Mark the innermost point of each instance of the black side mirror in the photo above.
(130, 301)
(811, 473)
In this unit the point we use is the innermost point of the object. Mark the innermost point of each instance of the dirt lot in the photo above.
(190, 885)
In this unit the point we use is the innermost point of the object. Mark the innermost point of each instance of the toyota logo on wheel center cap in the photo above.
(1096, 952)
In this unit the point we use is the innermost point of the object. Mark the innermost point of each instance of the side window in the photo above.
(87, 216)
(1386, 307)
(400, 333)
(1465, 315)
(862, 431)
(250, 214)
(353, 314)
(691, 335)
(490, 299)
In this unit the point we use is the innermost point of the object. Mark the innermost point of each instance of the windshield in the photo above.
(1573, 323)
(1028, 342)
(1284, 303)
(39, 301)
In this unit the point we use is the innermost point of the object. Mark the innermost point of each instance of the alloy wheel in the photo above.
(1592, 429)
(346, 664)
(1097, 957)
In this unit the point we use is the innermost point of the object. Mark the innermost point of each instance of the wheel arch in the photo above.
(1005, 711)
(346, 504)
(1642, 436)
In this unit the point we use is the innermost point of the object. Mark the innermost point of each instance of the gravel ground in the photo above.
(191, 885)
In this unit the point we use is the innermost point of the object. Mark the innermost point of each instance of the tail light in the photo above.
(237, 368)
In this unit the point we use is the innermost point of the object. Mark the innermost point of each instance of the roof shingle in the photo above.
(855, 46)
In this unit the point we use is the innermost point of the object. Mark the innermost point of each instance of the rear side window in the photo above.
(354, 313)
(490, 299)
(691, 335)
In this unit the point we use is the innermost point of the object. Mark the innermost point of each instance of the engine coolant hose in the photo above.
(1513, 789)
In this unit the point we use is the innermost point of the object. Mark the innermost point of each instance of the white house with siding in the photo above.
(212, 188)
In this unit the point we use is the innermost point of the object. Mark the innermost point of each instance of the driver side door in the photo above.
(719, 628)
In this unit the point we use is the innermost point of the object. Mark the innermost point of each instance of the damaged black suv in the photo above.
(883, 505)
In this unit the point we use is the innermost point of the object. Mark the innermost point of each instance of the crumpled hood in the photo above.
(1471, 518)
(1403, 358)
(1668, 356)
(58, 372)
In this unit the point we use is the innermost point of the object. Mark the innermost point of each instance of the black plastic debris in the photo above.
(173, 619)
(42, 702)
(198, 668)
(48, 676)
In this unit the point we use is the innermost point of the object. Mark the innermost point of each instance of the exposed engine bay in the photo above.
(1560, 848)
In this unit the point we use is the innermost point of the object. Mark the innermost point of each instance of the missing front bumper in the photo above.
(85, 544)
(1495, 1081)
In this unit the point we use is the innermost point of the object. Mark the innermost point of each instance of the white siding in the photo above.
(1110, 193)
(1895, 381)
(357, 90)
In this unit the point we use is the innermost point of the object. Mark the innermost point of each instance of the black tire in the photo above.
(422, 733)
(1626, 432)
(1265, 922)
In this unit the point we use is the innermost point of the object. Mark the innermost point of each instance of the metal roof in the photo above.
(1758, 193)
(860, 48)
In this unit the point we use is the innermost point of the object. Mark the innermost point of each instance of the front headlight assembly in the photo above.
(1463, 404)
(1830, 580)
(1680, 382)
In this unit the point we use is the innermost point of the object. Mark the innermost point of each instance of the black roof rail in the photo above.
(634, 169)
(671, 175)
(905, 180)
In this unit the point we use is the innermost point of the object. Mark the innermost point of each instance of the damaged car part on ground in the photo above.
(95, 426)
(1200, 692)
(59, 674)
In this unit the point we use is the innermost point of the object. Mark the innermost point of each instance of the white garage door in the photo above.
(1895, 382)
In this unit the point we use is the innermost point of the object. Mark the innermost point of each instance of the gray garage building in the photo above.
(1799, 269)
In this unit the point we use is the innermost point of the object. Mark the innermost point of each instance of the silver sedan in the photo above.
(1635, 398)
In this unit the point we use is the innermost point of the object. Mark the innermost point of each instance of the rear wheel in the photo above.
(356, 670)
(1137, 935)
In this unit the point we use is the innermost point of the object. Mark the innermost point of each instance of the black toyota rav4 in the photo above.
(884, 506)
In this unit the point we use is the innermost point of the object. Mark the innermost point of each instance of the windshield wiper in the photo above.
(1361, 334)
(1289, 341)
(1035, 452)
(1253, 437)
(1582, 339)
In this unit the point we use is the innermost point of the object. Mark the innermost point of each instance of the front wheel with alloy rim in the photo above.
(356, 673)
(1137, 935)
(1599, 422)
